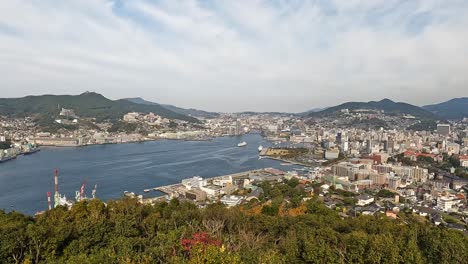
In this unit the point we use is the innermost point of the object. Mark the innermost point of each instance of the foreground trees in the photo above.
(178, 232)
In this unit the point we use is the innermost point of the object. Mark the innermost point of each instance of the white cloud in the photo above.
(237, 55)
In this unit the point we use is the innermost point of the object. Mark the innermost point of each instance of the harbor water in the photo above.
(132, 167)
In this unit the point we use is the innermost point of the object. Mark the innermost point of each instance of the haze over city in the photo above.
(237, 55)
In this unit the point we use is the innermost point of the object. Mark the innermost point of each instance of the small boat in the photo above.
(242, 144)
(260, 148)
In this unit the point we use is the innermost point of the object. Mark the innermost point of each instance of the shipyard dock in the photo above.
(168, 189)
(214, 187)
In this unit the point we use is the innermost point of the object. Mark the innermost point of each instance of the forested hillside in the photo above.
(175, 109)
(89, 105)
(389, 106)
(125, 231)
(456, 108)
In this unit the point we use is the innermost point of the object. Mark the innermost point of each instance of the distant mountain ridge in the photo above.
(387, 105)
(88, 104)
(264, 113)
(456, 108)
(183, 111)
(313, 110)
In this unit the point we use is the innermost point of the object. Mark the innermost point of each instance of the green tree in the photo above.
(13, 236)
(356, 246)
(454, 161)
(125, 231)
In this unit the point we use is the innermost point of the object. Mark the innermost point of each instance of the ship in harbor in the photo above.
(260, 148)
(242, 144)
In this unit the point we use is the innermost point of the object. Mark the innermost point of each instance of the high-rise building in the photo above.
(394, 182)
(232, 130)
(345, 146)
(238, 127)
(391, 143)
(369, 146)
(443, 129)
(338, 138)
(382, 168)
(420, 174)
(378, 179)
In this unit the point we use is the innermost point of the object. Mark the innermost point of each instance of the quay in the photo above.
(180, 188)
(222, 189)
(288, 161)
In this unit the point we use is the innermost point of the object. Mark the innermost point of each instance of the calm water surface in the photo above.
(25, 181)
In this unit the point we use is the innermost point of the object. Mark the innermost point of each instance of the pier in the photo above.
(179, 187)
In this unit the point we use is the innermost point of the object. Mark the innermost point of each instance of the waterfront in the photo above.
(123, 167)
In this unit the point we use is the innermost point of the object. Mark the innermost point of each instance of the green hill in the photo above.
(88, 105)
(456, 108)
(183, 111)
(389, 106)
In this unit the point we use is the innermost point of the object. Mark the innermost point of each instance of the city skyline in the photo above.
(237, 56)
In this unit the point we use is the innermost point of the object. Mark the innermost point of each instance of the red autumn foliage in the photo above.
(200, 238)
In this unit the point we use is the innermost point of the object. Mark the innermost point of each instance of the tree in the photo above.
(454, 161)
(349, 201)
(293, 182)
(382, 249)
(410, 252)
(125, 231)
(13, 237)
(6, 144)
(425, 159)
(356, 246)
(385, 193)
(270, 210)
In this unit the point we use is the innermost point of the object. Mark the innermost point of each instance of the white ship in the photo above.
(242, 144)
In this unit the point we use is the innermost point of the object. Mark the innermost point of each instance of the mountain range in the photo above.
(94, 105)
(456, 108)
(311, 111)
(88, 105)
(182, 111)
(387, 105)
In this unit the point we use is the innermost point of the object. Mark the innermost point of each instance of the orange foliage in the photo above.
(301, 210)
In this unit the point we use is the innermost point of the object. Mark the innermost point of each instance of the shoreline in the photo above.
(121, 143)
(289, 161)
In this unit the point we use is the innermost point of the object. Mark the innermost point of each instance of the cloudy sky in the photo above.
(278, 55)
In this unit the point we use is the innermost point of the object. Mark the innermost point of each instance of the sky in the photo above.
(237, 55)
